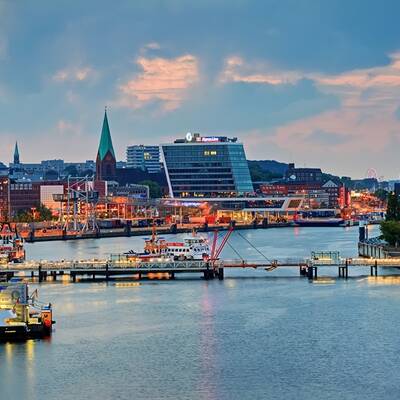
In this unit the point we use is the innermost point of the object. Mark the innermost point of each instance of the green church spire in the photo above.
(16, 154)
(105, 140)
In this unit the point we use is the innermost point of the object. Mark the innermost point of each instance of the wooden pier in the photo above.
(112, 268)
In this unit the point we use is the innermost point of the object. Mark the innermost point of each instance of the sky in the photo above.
(311, 82)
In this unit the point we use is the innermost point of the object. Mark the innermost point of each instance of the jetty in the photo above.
(118, 265)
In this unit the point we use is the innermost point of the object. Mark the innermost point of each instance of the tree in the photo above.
(154, 188)
(393, 208)
(71, 171)
(381, 194)
(43, 213)
(391, 232)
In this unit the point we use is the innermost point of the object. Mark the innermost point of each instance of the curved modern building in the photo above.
(210, 166)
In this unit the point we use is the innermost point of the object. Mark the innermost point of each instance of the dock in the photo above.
(119, 265)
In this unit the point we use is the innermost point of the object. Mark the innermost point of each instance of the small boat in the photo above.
(22, 316)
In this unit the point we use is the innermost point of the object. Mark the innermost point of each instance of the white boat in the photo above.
(192, 247)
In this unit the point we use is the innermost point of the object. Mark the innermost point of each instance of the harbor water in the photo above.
(254, 335)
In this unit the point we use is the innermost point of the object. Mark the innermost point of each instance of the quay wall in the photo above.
(36, 236)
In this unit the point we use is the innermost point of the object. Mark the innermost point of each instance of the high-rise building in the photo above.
(212, 166)
(146, 158)
(105, 161)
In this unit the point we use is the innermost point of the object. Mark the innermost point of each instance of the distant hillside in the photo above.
(266, 170)
(272, 166)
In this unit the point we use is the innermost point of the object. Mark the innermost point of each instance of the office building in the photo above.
(211, 166)
(146, 158)
(303, 175)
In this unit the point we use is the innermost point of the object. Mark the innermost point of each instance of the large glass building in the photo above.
(213, 166)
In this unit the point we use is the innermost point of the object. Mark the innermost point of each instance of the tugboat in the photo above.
(193, 247)
(22, 317)
(11, 246)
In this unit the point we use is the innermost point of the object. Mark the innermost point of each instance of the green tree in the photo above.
(391, 232)
(23, 216)
(381, 194)
(393, 208)
(71, 171)
(43, 213)
(154, 188)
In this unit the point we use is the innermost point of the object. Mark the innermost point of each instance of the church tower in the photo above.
(16, 154)
(106, 163)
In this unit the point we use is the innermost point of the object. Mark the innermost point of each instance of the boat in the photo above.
(317, 222)
(22, 316)
(11, 246)
(192, 247)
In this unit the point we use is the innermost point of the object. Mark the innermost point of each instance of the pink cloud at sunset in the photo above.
(162, 79)
(237, 70)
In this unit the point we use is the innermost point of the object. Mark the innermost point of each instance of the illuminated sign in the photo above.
(208, 139)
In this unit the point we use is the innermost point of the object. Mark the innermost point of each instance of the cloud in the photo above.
(73, 74)
(164, 80)
(365, 122)
(237, 70)
(152, 46)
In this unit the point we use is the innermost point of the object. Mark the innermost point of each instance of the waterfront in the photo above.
(254, 335)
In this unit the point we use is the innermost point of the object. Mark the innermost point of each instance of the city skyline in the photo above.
(250, 69)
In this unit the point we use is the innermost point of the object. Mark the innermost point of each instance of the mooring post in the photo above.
(372, 270)
(220, 273)
(346, 268)
(107, 273)
(376, 267)
(40, 272)
(316, 272)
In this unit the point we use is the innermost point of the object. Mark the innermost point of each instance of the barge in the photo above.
(22, 316)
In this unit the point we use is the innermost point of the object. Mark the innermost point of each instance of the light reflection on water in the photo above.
(255, 335)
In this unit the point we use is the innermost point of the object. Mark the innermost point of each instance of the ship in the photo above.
(22, 316)
(11, 246)
(192, 247)
(319, 222)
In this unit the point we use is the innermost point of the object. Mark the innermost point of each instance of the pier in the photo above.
(119, 265)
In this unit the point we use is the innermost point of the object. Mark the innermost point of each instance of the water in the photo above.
(255, 335)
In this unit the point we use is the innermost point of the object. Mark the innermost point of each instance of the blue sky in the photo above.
(314, 82)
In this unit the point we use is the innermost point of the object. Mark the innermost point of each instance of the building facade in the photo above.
(146, 158)
(304, 175)
(206, 167)
(4, 197)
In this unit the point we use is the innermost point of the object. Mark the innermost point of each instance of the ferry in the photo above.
(11, 246)
(193, 247)
(22, 316)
